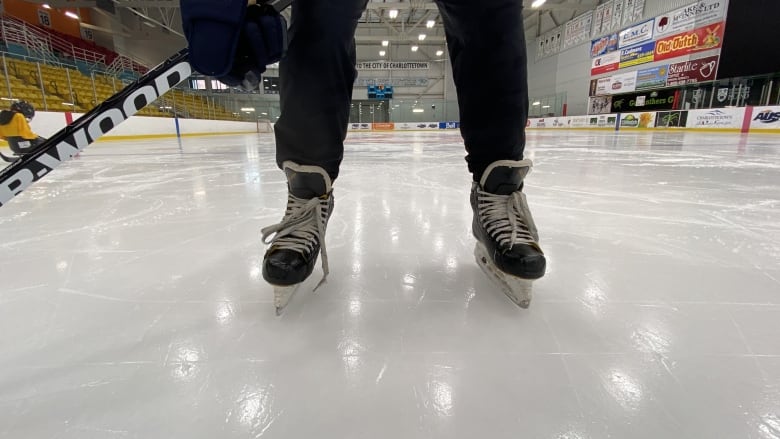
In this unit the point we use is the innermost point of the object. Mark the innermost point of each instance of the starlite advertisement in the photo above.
(693, 72)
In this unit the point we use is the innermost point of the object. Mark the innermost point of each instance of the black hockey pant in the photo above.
(487, 51)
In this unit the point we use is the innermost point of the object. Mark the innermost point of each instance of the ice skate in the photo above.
(300, 236)
(507, 248)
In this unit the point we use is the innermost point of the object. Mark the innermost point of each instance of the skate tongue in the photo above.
(503, 180)
(306, 185)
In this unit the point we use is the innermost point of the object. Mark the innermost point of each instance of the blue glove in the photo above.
(231, 41)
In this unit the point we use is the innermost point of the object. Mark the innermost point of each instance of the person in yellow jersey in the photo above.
(15, 128)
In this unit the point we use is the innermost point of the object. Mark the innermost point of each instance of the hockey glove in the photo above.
(231, 41)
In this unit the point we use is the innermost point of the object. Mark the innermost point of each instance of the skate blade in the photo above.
(518, 290)
(282, 296)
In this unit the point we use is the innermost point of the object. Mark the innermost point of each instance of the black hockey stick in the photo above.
(69, 141)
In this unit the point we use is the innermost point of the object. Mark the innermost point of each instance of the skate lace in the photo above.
(507, 218)
(302, 227)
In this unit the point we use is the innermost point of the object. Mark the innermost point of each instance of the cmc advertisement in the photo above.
(636, 34)
(690, 17)
(605, 63)
(654, 77)
(692, 72)
(766, 119)
(686, 43)
(634, 56)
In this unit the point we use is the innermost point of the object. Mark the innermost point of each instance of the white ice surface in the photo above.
(132, 303)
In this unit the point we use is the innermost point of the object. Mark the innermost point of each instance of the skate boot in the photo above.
(507, 247)
(300, 236)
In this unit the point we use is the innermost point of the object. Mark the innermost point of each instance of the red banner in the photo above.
(692, 72)
(686, 43)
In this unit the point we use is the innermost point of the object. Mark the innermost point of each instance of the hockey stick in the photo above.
(69, 141)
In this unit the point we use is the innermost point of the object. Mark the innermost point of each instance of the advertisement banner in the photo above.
(359, 126)
(605, 63)
(686, 43)
(599, 104)
(637, 120)
(550, 43)
(598, 19)
(692, 72)
(634, 56)
(654, 77)
(578, 30)
(396, 65)
(623, 83)
(636, 34)
(637, 102)
(766, 119)
(603, 45)
(671, 119)
(717, 118)
(416, 126)
(617, 14)
(690, 17)
(449, 125)
(609, 7)
(383, 126)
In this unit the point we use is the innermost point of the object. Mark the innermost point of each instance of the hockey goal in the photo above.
(265, 126)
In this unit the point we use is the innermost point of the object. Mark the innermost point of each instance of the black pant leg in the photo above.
(316, 80)
(487, 50)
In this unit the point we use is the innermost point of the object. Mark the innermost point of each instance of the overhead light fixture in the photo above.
(421, 37)
(439, 52)
(71, 15)
(393, 13)
(385, 43)
(545, 106)
(382, 53)
(537, 3)
(414, 48)
(46, 6)
(248, 109)
(536, 103)
(264, 114)
(418, 110)
(430, 24)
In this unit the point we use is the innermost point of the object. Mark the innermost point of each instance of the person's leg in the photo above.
(488, 56)
(316, 79)
(486, 44)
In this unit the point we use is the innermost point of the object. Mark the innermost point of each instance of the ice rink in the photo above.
(132, 303)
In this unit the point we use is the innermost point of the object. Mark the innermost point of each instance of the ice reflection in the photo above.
(624, 388)
(441, 393)
(225, 312)
(185, 363)
(255, 409)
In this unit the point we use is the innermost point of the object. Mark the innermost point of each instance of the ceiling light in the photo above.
(385, 43)
(393, 13)
(439, 52)
(71, 15)
(545, 106)
(421, 37)
(248, 109)
(382, 53)
(536, 103)
(537, 3)
(414, 48)
(46, 6)
(430, 24)
(418, 110)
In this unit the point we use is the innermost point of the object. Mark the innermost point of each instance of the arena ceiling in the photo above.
(377, 23)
